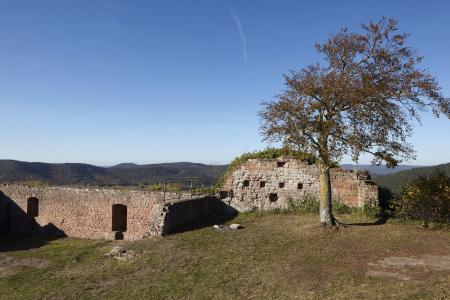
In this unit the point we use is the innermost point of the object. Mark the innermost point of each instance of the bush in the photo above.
(340, 207)
(372, 210)
(31, 182)
(307, 204)
(426, 199)
(203, 190)
(310, 204)
(155, 187)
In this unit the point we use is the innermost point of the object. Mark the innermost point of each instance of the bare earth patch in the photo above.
(10, 265)
(384, 274)
(403, 268)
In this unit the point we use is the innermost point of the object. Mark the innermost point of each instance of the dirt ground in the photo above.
(409, 268)
(10, 265)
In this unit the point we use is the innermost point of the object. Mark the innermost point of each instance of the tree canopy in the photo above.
(363, 98)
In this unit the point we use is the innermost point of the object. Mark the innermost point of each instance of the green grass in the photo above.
(284, 256)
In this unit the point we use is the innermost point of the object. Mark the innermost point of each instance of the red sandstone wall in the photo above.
(85, 213)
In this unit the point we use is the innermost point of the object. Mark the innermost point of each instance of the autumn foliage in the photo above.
(426, 199)
(362, 98)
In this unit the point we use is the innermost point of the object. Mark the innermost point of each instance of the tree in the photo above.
(364, 98)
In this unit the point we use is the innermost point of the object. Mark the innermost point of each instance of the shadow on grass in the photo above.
(204, 222)
(17, 242)
(381, 221)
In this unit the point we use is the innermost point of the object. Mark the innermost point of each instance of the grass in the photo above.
(284, 256)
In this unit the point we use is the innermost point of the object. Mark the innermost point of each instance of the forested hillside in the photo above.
(181, 172)
(395, 182)
(123, 174)
(378, 170)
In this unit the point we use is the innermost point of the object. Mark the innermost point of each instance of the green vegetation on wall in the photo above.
(269, 153)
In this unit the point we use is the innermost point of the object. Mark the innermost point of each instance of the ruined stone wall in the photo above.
(269, 184)
(173, 215)
(89, 213)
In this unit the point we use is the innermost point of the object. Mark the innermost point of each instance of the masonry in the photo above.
(130, 214)
(269, 184)
(97, 213)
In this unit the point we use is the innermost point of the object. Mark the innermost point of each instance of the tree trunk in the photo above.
(326, 213)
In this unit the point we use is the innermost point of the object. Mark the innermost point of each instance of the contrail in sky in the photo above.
(237, 21)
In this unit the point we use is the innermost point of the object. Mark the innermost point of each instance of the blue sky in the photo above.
(108, 81)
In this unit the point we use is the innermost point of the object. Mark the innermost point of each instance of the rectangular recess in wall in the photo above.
(273, 197)
(33, 207)
(246, 183)
(281, 185)
(299, 186)
(223, 194)
(262, 184)
(281, 164)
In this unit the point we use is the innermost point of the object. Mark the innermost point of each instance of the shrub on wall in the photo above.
(31, 182)
(203, 191)
(155, 187)
(426, 199)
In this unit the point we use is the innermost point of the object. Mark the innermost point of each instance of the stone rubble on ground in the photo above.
(228, 227)
(121, 253)
(235, 226)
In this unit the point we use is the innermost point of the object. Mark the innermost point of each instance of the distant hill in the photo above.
(125, 166)
(123, 174)
(378, 170)
(395, 182)
(184, 173)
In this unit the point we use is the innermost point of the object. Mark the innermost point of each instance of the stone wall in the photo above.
(173, 215)
(96, 213)
(269, 184)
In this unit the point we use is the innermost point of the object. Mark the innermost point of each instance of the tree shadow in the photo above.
(17, 242)
(381, 221)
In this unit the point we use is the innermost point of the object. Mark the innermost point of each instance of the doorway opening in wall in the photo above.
(33, 207)
(119, 220)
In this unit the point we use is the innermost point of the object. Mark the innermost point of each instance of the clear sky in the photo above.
(109, 81)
